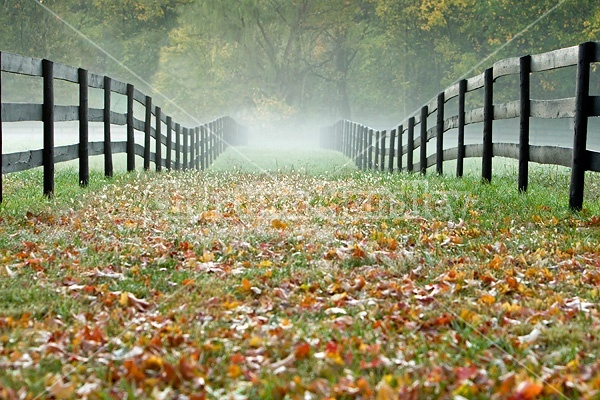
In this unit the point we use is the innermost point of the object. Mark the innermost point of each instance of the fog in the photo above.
(286, 69)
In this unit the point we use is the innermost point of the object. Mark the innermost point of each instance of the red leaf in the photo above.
(463, 373)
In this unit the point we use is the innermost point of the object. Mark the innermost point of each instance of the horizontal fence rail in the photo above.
(369, 148)
(166, 144)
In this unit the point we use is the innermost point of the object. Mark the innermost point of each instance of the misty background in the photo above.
(286, 67)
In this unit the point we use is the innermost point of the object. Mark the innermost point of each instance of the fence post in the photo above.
(202, 147)
(177, 147)
(365, 147)
(84, 162)
(370, 146)
(579, 160)
(392, 150)
(377, 146)
(400, 129)
(206, 144)
(359, 146)
(209, 144)
(158, 137)
(353, 149)
(349, 129)
(147, 128)
(198, 147)
(222, 136)
(192, 134)
(411, 145)
(525, 111)
(353, 141)
(488, 118)
(215, 142)
(108, 163)
(462, 90)
(440, 134)
(185, 148)
(423, 150)
(383, 139)
(352, 146)
(209, 133)
(345, 138)
(169, 142)
(48, 118)
(340, 137)
(130, 130)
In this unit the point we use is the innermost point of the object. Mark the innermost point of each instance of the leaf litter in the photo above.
(220, 285)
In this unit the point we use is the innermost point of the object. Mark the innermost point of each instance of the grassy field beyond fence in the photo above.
(306, 280)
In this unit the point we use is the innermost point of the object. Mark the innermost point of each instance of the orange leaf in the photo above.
(186, 370)
(358, 251)
(170, 375)
(528, 390)
(237, 358)
(496, 262)
(246, 285)
(302, 350)
(363, 385)
(234, 371)
(133, 372)
(359, 283)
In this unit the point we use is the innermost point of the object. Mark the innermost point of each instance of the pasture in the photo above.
(295, 276)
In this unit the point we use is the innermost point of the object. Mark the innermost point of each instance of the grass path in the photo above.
(292, 285)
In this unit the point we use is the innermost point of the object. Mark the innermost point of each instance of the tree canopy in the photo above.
(267, 60)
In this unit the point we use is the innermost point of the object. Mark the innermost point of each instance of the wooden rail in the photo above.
(356, 140)
(193, 148)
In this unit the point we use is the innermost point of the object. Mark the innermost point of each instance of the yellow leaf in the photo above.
(255, 342)
(385, 391)
(61, 390)
(153, 363)
(207, 256)
(124, 299)
(487, 299)
(230, 305)
(278, 224)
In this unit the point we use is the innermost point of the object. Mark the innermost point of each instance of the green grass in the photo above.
(293, 273)
(311, 162)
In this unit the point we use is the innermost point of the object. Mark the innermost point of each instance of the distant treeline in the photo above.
(270, 59)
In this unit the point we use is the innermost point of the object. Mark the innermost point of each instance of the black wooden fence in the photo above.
(369, 147)
(175, 147)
